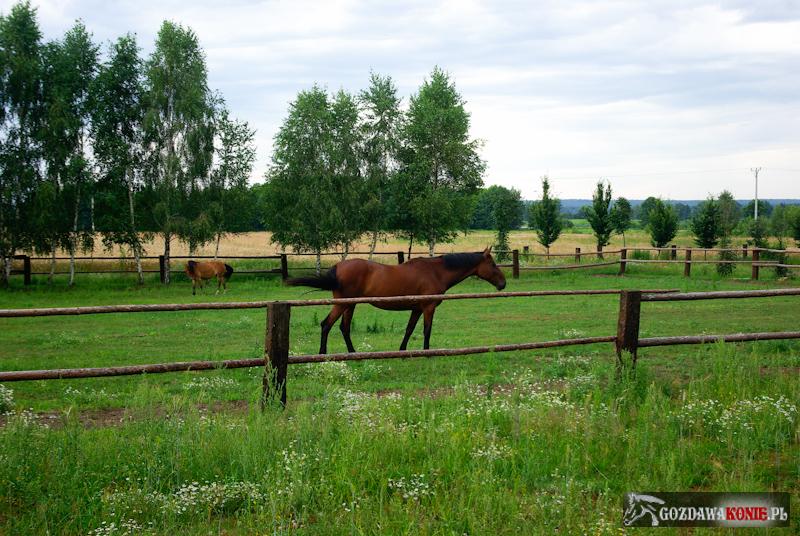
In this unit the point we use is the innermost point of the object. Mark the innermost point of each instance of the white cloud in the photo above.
(678, 98)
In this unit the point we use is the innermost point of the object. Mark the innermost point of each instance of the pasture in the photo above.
(527, 442)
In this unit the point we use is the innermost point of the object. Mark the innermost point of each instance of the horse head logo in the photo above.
(640, 506)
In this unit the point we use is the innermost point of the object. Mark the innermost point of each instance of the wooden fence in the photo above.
(671, 252)
(276, 357)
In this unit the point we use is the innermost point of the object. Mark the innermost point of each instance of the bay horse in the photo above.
(357, 278)
(198, 271)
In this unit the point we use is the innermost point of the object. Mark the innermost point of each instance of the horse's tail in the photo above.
(190, 268)
(228, 271)
(327, 281)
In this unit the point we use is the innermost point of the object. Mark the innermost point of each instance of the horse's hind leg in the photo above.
(412, 323)
(428, 324)
(347, 318)
(326, 326)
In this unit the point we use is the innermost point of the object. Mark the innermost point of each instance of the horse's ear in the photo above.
(487, 251)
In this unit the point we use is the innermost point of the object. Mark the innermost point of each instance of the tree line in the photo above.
(113, 144)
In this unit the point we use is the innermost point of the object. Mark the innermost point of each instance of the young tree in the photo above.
(729, 214)
(599, 215)
(442, 168)
(70, 68)
(299, 204)
(794, 223)
(178, 138)
(621, 214)
(380, 127)
(545, 216)
(705, 224)
(662, 224)
(227, 190)
(20, 121)
(117, 123)
(349, 188)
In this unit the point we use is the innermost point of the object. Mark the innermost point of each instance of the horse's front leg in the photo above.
(326, 326)
(347, 318)
(412, 323)
(427, 322)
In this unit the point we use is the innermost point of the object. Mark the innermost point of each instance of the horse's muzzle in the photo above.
(501, 286)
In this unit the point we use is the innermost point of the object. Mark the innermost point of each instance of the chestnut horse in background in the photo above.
(198, 271)
(358, 278)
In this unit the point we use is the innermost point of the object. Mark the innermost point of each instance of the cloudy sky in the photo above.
(675, 98)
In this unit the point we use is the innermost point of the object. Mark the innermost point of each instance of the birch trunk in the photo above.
(216, 249)
(373, 244)
(431, 247)
(319, 262)
(52, 266)
(167, 240)
(74, 240)
(137, 254)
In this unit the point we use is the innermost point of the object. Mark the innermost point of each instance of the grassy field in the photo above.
(527, 442)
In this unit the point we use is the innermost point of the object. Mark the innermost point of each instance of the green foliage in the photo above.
(729, 213)
(441, 165)
(493, 199)
(705, 224)
(793, 216)
(765, 209)
(662, 224)
(21, 114)
(758, 232)
(644, 210)
(725, 269)
(545, 215)
(179, 134)
(621, 214)
(599, 214)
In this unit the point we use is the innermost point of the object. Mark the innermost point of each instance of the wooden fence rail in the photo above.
(276, 357)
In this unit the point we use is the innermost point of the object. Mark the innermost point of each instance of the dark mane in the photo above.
(462, 260)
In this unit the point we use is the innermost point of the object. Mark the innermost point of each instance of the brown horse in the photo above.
(432, 275)
(198, 271)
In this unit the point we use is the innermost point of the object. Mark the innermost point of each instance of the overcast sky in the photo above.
(678, 99)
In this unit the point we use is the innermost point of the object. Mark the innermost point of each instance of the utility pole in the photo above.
(755, 208)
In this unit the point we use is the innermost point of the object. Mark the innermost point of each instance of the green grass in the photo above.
(509, 443)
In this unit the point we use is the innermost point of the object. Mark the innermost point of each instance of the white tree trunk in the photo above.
(74, 240)
(216, 250)
(431, 247)
(137, 254)
(373, 243)
(345, 251)
(52, 265)
(6, 270)
(167, 240)
(319, 262)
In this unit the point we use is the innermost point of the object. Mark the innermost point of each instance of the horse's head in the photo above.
(488, 271)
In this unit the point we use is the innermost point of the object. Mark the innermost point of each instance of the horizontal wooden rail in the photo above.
(719, 261)
(127, 370)
(442, 352)
(156, 257)
(569, 266)
(718, 295)
(703, 339)
(151, 308)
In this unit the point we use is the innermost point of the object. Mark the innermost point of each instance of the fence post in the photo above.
(161, 271)
(630, 302)
(744, 251)
(26, 269)
(756, 256)
(623, 255)
(526, 250)
(401, 257)
(515, 263)
(284, 267)
(673, 255)
(276, 353)
(578, 255)
(687, 267)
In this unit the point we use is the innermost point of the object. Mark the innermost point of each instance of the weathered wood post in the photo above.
(687, 267)
(526, 250)
(630, 302)
(673, 254)
(756, 256)
(515, 263)
(162, 268)
(284, 267)
(578, 255)
(401, 257)
(276, 354)
(744, 251)
(26, 269)
(623, 255)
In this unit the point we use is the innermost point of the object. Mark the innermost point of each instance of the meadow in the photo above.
(536, 442)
